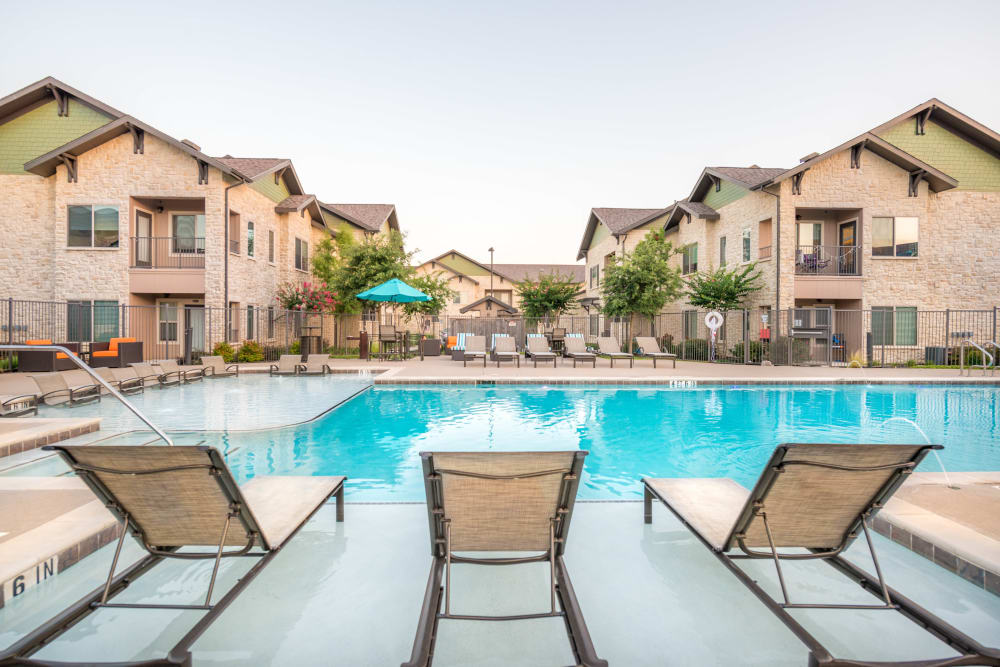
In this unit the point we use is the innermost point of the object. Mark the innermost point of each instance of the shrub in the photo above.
(250, 351)
(295, 347)
(695, 348)
(911, 363)
(224, 350)
(758, 351)
(779, 351)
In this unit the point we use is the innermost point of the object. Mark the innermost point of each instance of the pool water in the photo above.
(375, 437)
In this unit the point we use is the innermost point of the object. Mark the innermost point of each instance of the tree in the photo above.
(642, 282)
(331, 253)
(365, 265)
(549, 296)
(723, 290)
(434, 286)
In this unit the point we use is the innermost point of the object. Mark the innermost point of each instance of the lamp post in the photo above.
(491, 271)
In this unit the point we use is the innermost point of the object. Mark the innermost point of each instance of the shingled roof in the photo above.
(366, 216)
(748, 176)
(519, 272)
(253, 167)
(618, 221)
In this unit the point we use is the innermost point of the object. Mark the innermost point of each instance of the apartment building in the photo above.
(484, 292)
(99, 209)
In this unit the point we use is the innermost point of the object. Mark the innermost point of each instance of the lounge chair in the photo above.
(175, 502)
(316, 364)
(116, 353)
(500, 502)
(648, 348)
(504, 349)
(125, 385)
(216, 367)
(18, 395)
(288, 364)
(538, 349)
(816, 498)
(164, 378)
(73, 387)
(609, 347)
(186, 373)
(44, 361)
(576, 349)
(475, 347)
(130, 373)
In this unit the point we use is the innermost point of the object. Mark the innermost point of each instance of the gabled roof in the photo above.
(45, 90)
(951, 118)
(618, 221)
(493, 300)
(257, 167)
(45, 165)
(465, 257)
(936, 179)
(520, 272)
(369, 217)
(435, 264)
(745, 177)
(695, 209)
(298, 203)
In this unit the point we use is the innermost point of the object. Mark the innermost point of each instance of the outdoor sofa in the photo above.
(116, 353)
(46, 361)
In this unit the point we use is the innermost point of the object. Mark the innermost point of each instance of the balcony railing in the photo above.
(764, 252)
(171, 252)
(819, 260)
(234, 246)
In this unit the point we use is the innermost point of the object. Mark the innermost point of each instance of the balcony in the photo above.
(171, 252)
(827, 261)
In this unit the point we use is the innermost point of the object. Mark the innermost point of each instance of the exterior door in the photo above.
(143, 239)
(194, 331)
(847, 251)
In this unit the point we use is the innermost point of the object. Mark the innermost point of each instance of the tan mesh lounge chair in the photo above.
(609, 347)
(185, 373)
(130, 372)
(538, 349)
(164, 378)
(125, 385)
(648, 348)
(475, 348)
(506, 350)
(316, 364)
(18, 395)
(818, 498)
(216, 367)
(173, 498)
(576, 349)
(288, 364)
(73, 387)
(500, 502)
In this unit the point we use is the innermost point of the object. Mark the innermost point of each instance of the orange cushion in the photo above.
(61, 355)
(113, 343)
(105, 353)
(452, 341)
(38, 341)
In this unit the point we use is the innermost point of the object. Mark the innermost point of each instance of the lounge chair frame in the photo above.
(27, 404)
(506, 355)
(185, 375)
(614, 354)
(19, 652)
(275, 369)
(583, 355)
(536, 356)
(973, 653)
(560, 586)
(474, 354)
(657, 353)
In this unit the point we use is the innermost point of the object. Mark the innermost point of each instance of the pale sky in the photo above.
(502, 124)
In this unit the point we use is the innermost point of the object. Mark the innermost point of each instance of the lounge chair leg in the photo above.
(114, 561)
(218, 557)
(647, 504)
(340, 504)
(774, 553)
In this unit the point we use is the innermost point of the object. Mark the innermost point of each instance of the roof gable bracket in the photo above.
(915, 178)
(202, 172)
(278, 174)
(62, 100)
(138, 139)
(856, 151)
(797, 182)
(70, 162)
(921, 120)
(716, 181)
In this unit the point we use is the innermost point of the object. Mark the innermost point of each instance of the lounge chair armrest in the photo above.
(161, 376)
(84, 390)
(301, 368)
(20, 399)
(54, 392)
(208, 371)
(236, 368)
(197, 371)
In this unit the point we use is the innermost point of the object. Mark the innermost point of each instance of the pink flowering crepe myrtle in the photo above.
(309, 297)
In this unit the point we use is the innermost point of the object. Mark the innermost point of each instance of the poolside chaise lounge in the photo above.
(815, 499)
(74, 387)
(537, 348)
(505, 349)
(173, 500)
(475, 347)
(131, 373)
(576, 349)
(648, 348)
(125, 381)
(185, 373)
(288, 364)
(609, 347)
(164, 378)
(216, 367)
(520, 502)
(18, 395)
(316, 364)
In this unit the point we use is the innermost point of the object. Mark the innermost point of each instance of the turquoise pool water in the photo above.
(630, 432)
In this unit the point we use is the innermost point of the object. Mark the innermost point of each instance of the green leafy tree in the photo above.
(330, 254)
(434, 286)
(723, 290)
(549, 296)
(365, 265)
(642, 282)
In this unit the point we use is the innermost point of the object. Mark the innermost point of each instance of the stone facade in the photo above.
(605, 244)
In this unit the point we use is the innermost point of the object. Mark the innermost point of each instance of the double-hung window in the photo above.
(168, 321)
(894, 325)
(250, 230)
(746, 245)
(188, 232)
(301, 255)
(894, 237)
(595, 275)
(91, 320)
(722, 251)
(689, 259)
(92, 226)
(270, 246)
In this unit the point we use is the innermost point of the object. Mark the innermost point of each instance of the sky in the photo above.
(503, 124)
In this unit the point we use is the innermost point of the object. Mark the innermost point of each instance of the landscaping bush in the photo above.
(695, 348)
(779, 351)
(758, 351)
(973, 357)
(295, 347)
(224, 350)
(249, 352)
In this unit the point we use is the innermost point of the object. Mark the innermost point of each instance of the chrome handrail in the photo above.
(982, 350)
(100, 381)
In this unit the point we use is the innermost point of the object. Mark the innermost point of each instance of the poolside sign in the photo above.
(713, 321)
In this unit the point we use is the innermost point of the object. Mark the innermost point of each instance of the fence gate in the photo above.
(811, 336)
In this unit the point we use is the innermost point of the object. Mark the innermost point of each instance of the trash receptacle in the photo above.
(363, 345)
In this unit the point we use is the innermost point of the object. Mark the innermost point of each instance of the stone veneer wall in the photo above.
(28, 237)
(608, 244)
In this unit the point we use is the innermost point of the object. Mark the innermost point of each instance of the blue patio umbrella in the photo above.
(393, 291)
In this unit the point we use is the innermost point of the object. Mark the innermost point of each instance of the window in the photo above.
(690, 324)
(188, 232)
(764, 239)
(234, 321)
(234, 233)
(249, 238)
(894, 237)
(92, 226)
(595, 325)
(168, 321)
(689, 259)
(249, 313)
(301, 255)
(722, 251)
(894, 325)
(91, 320)
(746, 245)
(270, 246)
(270, 321)
(595, 275)
(458, 298)
(809, 234)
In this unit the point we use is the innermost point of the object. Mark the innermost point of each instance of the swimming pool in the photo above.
(630, 432)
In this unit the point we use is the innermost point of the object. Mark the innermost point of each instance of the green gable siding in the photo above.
(40, 130)
(462, 265)
(974, 168)
(727, 194)
(600, 233)
(266, 186)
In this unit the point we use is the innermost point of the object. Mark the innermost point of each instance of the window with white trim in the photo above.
(167, 312)
(301, 255)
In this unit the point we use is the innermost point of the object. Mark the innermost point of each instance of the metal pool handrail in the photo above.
(982, 350)
(99, 380)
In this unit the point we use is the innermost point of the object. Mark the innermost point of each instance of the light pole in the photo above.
(491, 271)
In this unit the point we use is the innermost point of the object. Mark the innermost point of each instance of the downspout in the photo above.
(777, 250)
(225, 253)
